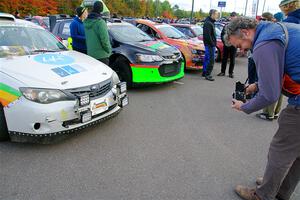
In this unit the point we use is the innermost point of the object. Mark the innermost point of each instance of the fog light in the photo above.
(122, 87)
(84, 100)
(124, 101)
(85, 117)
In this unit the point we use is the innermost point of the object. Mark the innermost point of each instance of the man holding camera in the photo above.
(276, 53)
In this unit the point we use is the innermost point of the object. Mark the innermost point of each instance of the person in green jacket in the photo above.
(97, 38)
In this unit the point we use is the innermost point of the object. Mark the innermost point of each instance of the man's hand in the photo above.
(236, 104)
(252, 88)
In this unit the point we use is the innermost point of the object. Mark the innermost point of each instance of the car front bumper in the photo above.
(164, 72)
(29, 119)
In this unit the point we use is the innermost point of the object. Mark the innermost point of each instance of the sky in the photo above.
(231, 5)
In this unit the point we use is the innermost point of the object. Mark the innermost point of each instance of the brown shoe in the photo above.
(246, 193)
(259, 180)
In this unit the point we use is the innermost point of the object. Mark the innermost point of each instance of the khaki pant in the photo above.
(273, 109)
(282, 173)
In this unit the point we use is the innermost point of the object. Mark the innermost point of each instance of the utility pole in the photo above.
(192, 12)
(246, 8)
(256, 8)
(210, 5)
(264, 6)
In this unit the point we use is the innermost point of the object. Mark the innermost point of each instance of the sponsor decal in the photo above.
(54, 59)
(66, 70)
(8, 94)
(157, 45)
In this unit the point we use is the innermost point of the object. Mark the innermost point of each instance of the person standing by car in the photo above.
(97, 38)
(276, 73)
(210, 41)
(77, 30)
(291, 8)
(272, 111)
(228, 50)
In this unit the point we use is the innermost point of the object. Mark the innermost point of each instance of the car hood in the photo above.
(158, 47)
(194, 44)
(60, 70)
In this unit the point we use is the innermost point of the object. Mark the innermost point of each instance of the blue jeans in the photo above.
(209, 60)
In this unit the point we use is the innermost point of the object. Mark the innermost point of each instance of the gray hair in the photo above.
(212, 11)
(234, 27)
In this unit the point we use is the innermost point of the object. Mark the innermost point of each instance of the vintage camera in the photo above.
(240, 92)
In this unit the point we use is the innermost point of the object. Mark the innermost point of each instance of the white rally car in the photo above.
(47, 90)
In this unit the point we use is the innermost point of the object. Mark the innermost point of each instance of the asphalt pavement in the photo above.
(176, 141)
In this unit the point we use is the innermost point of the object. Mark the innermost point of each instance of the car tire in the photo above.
(122, 68)
(218, 59)
(3, 127)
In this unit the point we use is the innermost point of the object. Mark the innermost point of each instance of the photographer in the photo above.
(277, 57)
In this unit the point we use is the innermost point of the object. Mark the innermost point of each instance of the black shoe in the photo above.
(209, 78)
(264, 116)
(221, 74)
(231, 76)
(203, 74)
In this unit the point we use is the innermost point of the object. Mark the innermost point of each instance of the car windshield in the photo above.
(46, 21)
(128, 33)
(171, 32)
(218, 32)
(19, 41)
(198, 30)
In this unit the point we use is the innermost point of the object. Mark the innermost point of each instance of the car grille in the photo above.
(175, 56)
(96, 90)
(168, 70)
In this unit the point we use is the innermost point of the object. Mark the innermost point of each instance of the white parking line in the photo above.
(178, 82)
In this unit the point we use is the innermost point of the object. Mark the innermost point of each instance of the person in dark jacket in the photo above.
(276, 73)
(97, 38)
(291, 8)
(210, 41)
(77, 30)
(228, 51)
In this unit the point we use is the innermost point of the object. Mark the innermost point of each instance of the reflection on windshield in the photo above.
(19, 41)
(171, 32)
(128, 33)
(198, 30)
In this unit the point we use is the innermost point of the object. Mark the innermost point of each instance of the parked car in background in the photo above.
(196, 32)
(192, 51)
(41, 21)
(136, 57)
(48, 91)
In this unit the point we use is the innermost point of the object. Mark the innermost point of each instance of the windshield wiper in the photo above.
(175, 37)
(145, 40)
(43, 50)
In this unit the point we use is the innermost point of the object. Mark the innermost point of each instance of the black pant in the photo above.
(80, 50)
(228, 51)
(104, 60)
(252, 74)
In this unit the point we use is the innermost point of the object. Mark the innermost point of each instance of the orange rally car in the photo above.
(193, 51)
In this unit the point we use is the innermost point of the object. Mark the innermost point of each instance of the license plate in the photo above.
(98, 106)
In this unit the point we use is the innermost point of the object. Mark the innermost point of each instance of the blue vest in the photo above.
(266, 31)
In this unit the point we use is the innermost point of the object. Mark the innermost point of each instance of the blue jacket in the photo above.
(271, 31)
(293, 17)
(77, 34)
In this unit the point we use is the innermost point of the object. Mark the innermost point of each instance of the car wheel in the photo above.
(218, 59)
(122, 68)
(3, 127)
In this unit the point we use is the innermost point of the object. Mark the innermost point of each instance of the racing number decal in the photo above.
(8, 94)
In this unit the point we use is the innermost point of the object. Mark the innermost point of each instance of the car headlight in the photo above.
(115, 78)
(45, 96)
(194, 51)
(148, 58)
